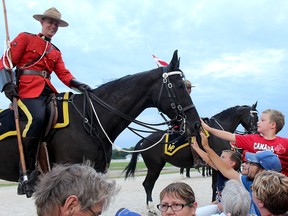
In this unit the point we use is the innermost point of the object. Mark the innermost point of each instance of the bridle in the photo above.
(252, 129)
(253, 122)
(180, 116)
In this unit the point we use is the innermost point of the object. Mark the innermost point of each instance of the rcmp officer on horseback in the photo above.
(35, 58)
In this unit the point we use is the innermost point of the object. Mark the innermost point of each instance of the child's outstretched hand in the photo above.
(194, 144)
(204, 125)
(204, 140)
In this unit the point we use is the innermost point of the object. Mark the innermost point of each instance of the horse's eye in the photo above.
(181, 85)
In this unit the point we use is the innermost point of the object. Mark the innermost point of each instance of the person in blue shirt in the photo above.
(230, 157)
(258, 162)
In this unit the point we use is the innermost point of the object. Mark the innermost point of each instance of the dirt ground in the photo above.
(131, 196)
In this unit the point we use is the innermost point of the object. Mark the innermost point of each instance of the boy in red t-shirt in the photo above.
(270, 123)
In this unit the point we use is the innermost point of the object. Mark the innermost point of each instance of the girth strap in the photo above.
(43, 73)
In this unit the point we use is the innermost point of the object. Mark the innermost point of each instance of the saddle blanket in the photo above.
(7, 121)
(171, 148)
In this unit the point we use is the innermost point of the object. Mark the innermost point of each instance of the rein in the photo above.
(218, 123)
(174, 103)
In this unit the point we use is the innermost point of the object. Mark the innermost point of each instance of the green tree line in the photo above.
(121, 154)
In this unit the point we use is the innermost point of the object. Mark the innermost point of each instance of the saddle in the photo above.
(173, 143)
(57, 108)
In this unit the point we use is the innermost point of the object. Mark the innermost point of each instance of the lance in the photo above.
(15, 106)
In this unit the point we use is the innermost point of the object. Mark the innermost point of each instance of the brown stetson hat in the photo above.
(188, 83)
(52, 13)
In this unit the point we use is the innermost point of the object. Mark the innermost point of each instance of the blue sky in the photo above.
(235, 52)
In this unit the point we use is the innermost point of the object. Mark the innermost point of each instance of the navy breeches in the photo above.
(33, 112)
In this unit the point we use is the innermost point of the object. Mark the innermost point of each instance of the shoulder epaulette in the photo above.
(50, 42)
(30, 33)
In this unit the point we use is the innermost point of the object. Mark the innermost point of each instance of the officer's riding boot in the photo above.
(20, 188)
(30, 145)
(198, 162)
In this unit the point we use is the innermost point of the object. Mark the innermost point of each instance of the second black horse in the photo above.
(155, 158)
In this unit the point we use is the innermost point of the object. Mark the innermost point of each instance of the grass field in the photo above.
(120, 165)
(116, 168)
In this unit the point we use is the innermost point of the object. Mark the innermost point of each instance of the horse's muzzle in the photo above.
(194, 130)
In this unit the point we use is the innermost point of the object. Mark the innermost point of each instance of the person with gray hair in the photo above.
(75, 189)
(235, 199)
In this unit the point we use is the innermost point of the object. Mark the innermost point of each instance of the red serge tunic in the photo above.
(27, 47)
(255, 142)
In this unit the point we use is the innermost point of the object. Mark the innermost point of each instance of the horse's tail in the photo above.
(131, 167)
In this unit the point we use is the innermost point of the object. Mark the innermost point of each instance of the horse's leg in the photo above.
(203, 171)
(181, 170)
(214, 184)
(148, 184)
(188, 172)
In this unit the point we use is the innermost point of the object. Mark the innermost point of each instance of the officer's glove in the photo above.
(10, 89)
(82, 87)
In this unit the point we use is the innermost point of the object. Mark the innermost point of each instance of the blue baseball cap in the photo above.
(126, 212)
(267, 159)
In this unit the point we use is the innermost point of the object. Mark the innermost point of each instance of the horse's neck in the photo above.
(130, 95)
(138, 92)
(227, 123)
(131, 89)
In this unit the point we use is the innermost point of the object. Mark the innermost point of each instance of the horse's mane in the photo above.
(173, 66)
(228, 112)
(125, 79)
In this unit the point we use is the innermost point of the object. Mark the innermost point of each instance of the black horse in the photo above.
(110, 108)
(155, 158)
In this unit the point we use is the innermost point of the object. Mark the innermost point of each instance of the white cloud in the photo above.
(248, 63)
(235, 51)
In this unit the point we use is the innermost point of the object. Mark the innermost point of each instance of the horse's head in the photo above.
(178, 105)
(249, 121)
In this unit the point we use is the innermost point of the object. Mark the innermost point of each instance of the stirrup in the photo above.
(27, 187)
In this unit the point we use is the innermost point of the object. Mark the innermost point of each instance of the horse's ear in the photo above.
(178, 63)
(174, 63)
(254, 106)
